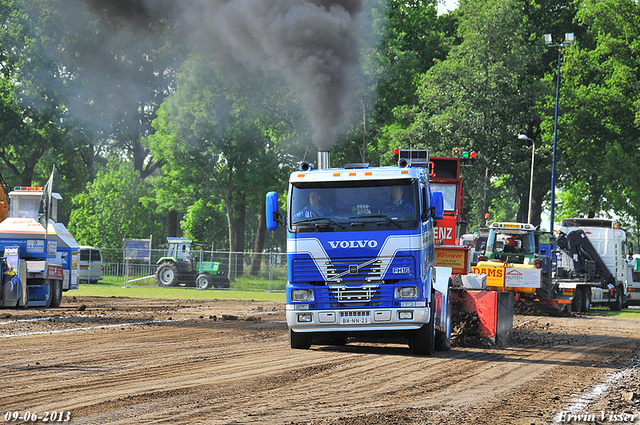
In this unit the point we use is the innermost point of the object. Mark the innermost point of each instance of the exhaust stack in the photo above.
(323, 160)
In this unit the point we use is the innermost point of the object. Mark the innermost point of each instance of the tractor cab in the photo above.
(512, 243)
(179, 248)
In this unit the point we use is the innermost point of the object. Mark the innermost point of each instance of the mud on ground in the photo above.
(133, 361)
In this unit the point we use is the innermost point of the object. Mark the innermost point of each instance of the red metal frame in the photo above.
(447, 170)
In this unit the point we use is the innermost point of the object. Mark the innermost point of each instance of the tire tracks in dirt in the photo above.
(193, 369)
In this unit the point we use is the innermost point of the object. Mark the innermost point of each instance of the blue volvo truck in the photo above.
(361, 256)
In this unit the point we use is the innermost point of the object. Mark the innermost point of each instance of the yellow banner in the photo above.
(495, 272)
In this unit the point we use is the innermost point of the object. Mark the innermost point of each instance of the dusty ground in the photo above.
(133, 361)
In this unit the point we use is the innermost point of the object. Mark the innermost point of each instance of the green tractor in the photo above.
(180, 268)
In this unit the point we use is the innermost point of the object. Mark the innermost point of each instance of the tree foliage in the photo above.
(205, 222)
(601, 119)
(35, 129)
(479, 98)
(115, 206)
(223, 137)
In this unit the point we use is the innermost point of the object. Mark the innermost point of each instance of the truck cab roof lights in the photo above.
(413, 158)
(511, 226)
(28, 188)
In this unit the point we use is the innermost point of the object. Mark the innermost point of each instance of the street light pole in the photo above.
(568, 40)
(533, 154)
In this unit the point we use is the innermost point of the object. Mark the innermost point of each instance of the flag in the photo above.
(44, 211)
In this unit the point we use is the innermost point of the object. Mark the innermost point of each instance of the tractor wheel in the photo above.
(423, 339)
(55, 286)
(203, 281)
(167, 274)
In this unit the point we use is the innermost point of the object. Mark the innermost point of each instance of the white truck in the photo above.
(592, 262)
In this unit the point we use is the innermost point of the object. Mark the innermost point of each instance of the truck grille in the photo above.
(354, 296)
(354, 269)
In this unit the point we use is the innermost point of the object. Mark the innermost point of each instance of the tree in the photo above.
(206, 223)
(123, 55)
(75, 74)
(115, 206)
(413, 39)
(35, 130)
(601, 103)
(220, 136)
(480, 98)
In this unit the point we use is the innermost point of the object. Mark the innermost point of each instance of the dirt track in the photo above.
(133, 361)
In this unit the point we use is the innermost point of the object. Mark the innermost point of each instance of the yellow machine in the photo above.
(520, 278)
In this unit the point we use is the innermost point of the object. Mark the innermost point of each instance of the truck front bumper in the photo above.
(357, 320)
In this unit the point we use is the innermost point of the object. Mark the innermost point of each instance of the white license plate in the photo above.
(355, 320)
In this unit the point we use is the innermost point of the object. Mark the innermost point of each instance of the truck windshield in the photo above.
(354, 205)
(25, 206)
(448, 194)
(511, 242)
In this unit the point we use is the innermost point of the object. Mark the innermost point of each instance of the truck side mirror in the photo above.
(271, 210)
(437, 203)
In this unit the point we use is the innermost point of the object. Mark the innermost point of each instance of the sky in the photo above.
(446, 5)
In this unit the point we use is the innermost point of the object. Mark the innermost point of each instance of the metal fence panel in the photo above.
(246, 270)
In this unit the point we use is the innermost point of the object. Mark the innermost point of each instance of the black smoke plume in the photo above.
(313, 44)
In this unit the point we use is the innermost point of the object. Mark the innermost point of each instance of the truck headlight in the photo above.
(407, 292)
(302, 295)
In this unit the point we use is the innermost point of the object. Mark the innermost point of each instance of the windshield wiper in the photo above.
(315, 219)
(375, 216)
